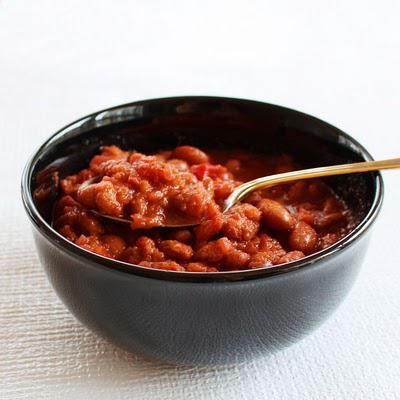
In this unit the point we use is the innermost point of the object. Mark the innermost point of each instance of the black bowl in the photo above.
(201, 318)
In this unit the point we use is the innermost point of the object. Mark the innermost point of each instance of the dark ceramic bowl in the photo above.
(201, 318)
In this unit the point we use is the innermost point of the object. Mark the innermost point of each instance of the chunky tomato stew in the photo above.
(269, 227)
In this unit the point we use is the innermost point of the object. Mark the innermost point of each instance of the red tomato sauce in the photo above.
(273, 226)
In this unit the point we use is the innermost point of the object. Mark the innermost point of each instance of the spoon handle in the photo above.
(341, 169)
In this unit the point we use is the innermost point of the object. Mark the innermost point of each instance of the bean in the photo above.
(149, 250)
(181, 235)
(196, 267)
(115, 244)
(167, 265)
(291, 256)
(208, 228)
(214, 251)
(260, 260)
(303, 238)
(237, 259)
(88, 223)
(106, 199)
(192, 155)
(242, 222)
(176, 250)
(180, 165)
(276, 216)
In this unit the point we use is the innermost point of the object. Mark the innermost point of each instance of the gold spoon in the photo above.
(267, 181)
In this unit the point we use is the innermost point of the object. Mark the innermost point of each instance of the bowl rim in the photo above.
(199, 277)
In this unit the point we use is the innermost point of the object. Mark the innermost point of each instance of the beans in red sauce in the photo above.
(274, 226)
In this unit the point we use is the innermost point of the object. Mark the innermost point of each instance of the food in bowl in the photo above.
(273, 226)
(223, 317)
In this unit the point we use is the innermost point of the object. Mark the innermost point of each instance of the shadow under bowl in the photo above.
(202, 318)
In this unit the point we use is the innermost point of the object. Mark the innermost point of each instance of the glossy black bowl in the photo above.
(201, 318)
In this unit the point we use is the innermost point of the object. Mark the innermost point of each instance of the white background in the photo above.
(61, 60)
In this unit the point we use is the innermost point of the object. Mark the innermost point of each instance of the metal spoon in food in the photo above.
(267, 181)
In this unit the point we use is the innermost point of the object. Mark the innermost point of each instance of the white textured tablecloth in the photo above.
(60, 60)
